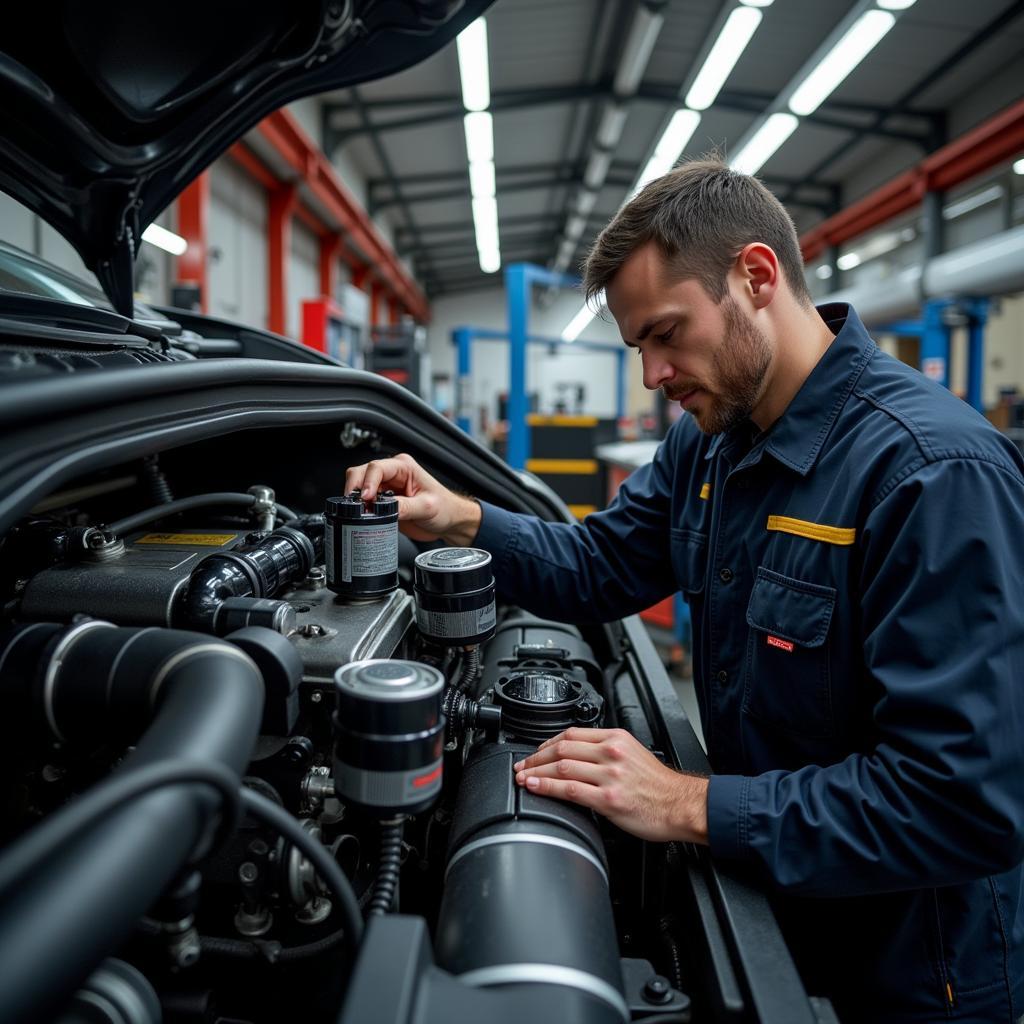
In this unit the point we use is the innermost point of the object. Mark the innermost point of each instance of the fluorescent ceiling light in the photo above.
(895, 5)
(721, 59)
(574, 328)
(673, 141)
(481, 179)
(824, 272)
(479, 137)
(490, 260)
(763, 3)
(485, 222)
(766, 140)
(472, 46)
(164, 239)
(566, 251)
(609, 131)
(861, 38)
(643, 34)
(848, 261)
(1018, 167)
(597, 168)
(574, 227)
(585, 201)
(967, 204)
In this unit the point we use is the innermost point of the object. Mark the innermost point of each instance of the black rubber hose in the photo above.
(317, 854)
(194, 501)
(469, 670)
(389, 868)
(269, 951)
(181, 698)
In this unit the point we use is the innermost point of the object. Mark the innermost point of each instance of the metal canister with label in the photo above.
(454, 590)
(361, 545)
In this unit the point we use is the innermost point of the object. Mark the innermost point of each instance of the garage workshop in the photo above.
(512, 511)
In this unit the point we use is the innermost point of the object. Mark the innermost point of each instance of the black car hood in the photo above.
(109, 110)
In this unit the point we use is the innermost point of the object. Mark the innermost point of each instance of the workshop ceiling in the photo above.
(551, 72)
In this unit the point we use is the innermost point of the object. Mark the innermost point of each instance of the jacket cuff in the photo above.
(728, 797)
(496, 532)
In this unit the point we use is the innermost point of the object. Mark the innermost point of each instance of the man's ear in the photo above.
(758, 273)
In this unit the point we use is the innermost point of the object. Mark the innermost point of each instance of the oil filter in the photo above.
(361, 545)
(389, 733)
(454, 591)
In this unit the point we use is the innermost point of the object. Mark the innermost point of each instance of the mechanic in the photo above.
(847, 534)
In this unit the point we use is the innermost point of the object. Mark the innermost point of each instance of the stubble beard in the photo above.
(740, 368)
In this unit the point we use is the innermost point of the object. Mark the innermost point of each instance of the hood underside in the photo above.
(109, 110)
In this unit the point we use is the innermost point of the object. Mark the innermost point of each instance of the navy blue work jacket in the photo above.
(857, 590)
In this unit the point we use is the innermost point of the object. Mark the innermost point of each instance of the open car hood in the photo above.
(109, 110)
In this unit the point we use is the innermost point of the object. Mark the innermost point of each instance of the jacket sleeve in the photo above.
(939, 799)
(616, 562)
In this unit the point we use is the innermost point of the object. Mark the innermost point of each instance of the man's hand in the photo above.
(426, 509)
(613, 773)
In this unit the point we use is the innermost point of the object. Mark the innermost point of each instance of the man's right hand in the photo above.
(426, 509)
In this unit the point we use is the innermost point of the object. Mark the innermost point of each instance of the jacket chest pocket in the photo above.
(689, 553)
(788, 682)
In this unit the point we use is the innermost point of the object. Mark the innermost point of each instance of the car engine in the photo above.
(258, 767)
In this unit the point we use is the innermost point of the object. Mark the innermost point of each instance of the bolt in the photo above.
(316, 696)
(311, 629)
(248, 873)
(51, 773)
(657, 990)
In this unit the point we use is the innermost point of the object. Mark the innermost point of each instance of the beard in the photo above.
(739, 368)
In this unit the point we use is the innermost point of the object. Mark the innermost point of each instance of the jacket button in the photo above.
(722, 676)
(725, 575)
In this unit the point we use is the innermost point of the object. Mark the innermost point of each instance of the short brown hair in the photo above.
(700, 215)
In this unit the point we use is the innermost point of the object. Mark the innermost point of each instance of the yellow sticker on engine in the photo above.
(198, 540)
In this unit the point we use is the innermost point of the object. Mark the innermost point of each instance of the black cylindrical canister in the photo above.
(389, 732)
(361, 545)
(454, 590)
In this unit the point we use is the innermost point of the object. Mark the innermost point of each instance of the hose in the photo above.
(666, 926)
(149, 515)
(469, 670)
(389, 868)
(268, 950)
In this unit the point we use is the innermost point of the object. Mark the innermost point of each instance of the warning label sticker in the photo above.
(456, 624)
(200, 540)
(369, 550)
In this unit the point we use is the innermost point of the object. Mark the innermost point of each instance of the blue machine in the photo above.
(519, 278)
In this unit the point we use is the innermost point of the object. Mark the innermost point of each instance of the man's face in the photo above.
(708, 356)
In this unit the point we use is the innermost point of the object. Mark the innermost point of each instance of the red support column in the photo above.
(279, 246)
(330, 250)
(394, 311)
(193, 215)
(360, 276)
(376, 301)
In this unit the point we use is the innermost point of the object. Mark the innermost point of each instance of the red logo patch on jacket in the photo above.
(783, 645)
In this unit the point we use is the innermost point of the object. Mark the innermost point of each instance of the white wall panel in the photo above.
(238, 245)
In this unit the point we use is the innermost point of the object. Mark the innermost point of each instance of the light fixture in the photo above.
(972, 202)
(609, 130)
(479, 137)
(481, 179)
(490, 260)
(472, 48)
(765, 141)
(574, 227)
(848, 261)
(585, 201)
(763, 3)
(597, 168)
(1018, 167)
(737, 31)
(824, 272)
(895, 5)
(574, 328)
(670, 147)
(861, 38)
(164, 239)
(485, 221)
(643, 34)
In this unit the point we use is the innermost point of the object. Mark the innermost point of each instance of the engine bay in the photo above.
(412, 879)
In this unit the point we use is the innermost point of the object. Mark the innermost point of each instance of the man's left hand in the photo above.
(611, 772)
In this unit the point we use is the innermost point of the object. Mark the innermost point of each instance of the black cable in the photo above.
(389, 868)
(268, 950)
(469, 670)
(325, 865)
(149, 515)
(110, 795)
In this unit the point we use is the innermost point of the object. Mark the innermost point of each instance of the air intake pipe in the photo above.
(184, 700)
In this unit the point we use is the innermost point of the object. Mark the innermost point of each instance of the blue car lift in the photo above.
(519, 278)
(939, 317)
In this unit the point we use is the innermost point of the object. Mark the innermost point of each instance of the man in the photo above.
(847, 534)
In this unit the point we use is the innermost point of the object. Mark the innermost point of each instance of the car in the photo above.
(257, 746)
